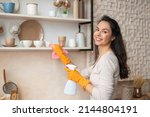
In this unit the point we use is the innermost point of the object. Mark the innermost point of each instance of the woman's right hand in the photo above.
(77, 77)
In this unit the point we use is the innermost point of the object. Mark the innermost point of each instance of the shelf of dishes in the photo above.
(39, 49)
(26, 17)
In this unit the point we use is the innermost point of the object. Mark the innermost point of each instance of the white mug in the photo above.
(47, 43)
(80, 39)
(32, 8)
(72, 43)
(52, 13)
(26, 43)
(38, 43)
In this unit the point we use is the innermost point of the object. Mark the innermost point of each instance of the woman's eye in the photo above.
(104, 31)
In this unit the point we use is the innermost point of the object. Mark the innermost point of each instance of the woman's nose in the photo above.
(98, 33)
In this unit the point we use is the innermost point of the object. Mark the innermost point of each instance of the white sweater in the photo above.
(103, 76)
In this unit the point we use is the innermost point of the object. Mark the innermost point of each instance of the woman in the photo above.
(111, 63)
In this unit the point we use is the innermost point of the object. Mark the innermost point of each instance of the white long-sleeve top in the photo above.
(103, 76)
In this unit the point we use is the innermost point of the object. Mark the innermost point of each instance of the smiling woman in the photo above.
(101, 78)
(103, 34)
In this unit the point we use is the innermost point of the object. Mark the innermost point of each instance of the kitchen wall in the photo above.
(37, 75)
(40, 77)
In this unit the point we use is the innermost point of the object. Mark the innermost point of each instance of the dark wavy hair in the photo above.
(117, 46)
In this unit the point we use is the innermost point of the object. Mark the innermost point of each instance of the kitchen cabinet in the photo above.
(52, 26)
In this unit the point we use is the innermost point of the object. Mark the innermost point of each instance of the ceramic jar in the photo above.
(32, 8)
(72, 43)
(80, 39)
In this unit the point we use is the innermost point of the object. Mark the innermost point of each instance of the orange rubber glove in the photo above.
(58, 50)
(77, 77)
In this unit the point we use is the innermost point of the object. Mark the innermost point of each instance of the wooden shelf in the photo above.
(46, 19)
(37, 49)
(26, 17)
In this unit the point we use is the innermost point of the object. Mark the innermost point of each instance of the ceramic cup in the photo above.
(62, 40)
(8, 7)
(10, 42)
(26, 43)
(32, 8)
(38, 43)
(47, 44)
(52, 13)
(70, 88)
(80, 39)
(72, 43)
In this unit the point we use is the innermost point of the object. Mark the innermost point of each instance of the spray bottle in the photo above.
(70, 87)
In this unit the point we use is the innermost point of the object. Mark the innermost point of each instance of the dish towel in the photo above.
(55, 56)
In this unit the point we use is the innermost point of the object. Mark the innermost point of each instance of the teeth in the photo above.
(99, 39)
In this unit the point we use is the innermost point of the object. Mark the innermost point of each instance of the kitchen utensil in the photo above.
(72, 43)
(32, 9)
(7, 7)
(26, 43)
(80, 39)
(31, 30)
(9, 42)
(38, 43)
(52, 13)
(62, 40)
(17, 4)
(8, 87)
(14, 95)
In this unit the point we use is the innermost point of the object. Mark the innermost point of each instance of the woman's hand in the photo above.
(59, 51)
(77, 77)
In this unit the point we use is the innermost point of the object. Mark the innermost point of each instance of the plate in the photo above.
(30, 30)
(17, 4)
(9, 46)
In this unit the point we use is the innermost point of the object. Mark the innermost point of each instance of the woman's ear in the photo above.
(113, 39)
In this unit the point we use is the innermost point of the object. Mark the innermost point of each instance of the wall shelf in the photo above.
(37, 49)
(36, 17)
(47, 19)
